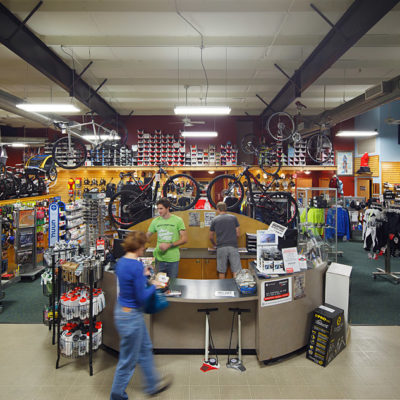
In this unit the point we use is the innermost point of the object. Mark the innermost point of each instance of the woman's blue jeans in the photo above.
(135, 348)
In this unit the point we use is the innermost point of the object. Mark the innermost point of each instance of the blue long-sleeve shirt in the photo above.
(132, 284)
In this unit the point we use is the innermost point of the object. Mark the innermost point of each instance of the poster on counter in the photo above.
(291, 260)
(208, 217)
(276, 292)
(194, 218)
(299, 286)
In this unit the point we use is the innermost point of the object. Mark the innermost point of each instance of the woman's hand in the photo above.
(157, 284)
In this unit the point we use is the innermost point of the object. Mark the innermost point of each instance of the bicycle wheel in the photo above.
(126, 207)
(319, 148)
(182, 191)
(250, 144)
(225, 188)
(280, 207)
(280, 126)
(69, 155)
(52, 174)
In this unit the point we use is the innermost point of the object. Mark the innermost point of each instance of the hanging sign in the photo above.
(53, 224)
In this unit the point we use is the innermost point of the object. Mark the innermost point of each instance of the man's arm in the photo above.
(211, 236)
(183, 238)
(148, 235)
(237, 231)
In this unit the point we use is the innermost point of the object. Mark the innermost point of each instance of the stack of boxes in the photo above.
(209, 155)
(159, 148)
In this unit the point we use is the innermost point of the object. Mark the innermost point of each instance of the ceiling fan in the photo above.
(186, 121)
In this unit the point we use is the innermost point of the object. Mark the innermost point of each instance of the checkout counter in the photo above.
(271, 331)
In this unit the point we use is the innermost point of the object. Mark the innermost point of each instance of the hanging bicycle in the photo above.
(282, 127)
(127, 206)
(70, 152)
(269, 206)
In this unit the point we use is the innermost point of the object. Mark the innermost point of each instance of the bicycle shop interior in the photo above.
(286, 111)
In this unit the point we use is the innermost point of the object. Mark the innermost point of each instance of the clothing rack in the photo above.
(387, 273)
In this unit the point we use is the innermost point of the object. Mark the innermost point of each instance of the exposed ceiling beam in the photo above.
(169, 6)
(387, 40)
(361, 16)
(30, 48)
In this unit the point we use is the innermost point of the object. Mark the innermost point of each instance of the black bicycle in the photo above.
(135, 201)
(269, 206)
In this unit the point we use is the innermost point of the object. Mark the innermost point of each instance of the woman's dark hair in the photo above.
(134, 241)
(164, 202)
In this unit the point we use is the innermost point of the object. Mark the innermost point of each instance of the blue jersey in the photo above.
(132, 284)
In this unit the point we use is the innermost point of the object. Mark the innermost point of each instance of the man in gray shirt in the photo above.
(225, 229)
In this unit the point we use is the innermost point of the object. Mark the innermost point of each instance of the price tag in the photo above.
(224, 293)
(100, 244)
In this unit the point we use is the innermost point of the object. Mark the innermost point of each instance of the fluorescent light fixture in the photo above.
(199, 134)
(50, 108)
(102, 137)
(356, 133)
(211, 172)
(202, 110)
(308, 172)
(19, 145)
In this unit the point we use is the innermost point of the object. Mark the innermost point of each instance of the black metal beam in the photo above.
(30, 48)
(360, 17)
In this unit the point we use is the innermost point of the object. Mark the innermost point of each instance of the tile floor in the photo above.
(369, 368)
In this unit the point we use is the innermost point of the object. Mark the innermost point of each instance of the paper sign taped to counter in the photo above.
(208, 217)
(278, 229)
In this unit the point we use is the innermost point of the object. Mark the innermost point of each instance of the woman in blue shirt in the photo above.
(135, 344)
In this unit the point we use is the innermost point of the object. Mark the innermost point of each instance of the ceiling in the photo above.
(148, 53)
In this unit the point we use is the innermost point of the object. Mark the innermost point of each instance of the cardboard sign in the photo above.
(291, 260)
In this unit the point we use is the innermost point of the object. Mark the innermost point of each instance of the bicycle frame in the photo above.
(70, 130)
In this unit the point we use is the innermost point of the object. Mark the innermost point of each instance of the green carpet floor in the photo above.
(372, 302)
(23, 303)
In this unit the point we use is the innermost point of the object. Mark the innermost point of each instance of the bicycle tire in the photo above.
(135, 204)
(215, 194)
(176, 204)
(280, 126)
(52, 174)
(319, 148)
(69, 157)
(250, 144)
(284, 213)
(10, 185)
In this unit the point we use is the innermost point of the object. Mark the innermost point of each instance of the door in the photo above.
(364, 187)
(324, 182)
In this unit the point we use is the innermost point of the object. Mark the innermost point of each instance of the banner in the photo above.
(53, 224)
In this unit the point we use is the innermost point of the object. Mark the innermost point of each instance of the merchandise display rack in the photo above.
(89, 272)
(307, 197)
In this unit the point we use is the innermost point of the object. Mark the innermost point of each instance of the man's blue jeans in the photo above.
(171, 268)
(135, 347)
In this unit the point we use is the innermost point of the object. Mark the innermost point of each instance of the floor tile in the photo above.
(265, 392)
(235, 392)
(295, 391)
(200, 392)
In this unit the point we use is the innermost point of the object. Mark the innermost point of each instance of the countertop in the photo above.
(203, 253)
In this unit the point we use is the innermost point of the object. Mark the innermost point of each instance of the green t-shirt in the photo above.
(168, 231)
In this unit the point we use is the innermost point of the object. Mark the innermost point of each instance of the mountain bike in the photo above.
(269, 206)
(70, 152)
(137, 199)
(282, 127)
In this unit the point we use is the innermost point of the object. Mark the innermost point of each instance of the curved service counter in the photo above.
(272, 328)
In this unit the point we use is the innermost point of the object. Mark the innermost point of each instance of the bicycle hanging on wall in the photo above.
(135, 199)
(282, 127)
(70, 152)
(268, 205)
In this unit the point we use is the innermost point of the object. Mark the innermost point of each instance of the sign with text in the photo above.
(277, 228)
(53, 224)
(291, 260)
(276, 292)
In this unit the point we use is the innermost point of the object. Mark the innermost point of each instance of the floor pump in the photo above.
(209, 363)
(236, 362)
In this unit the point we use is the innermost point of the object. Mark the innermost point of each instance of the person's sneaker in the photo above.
(164, 384)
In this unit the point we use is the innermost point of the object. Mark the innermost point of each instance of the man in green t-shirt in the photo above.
(171, 233)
